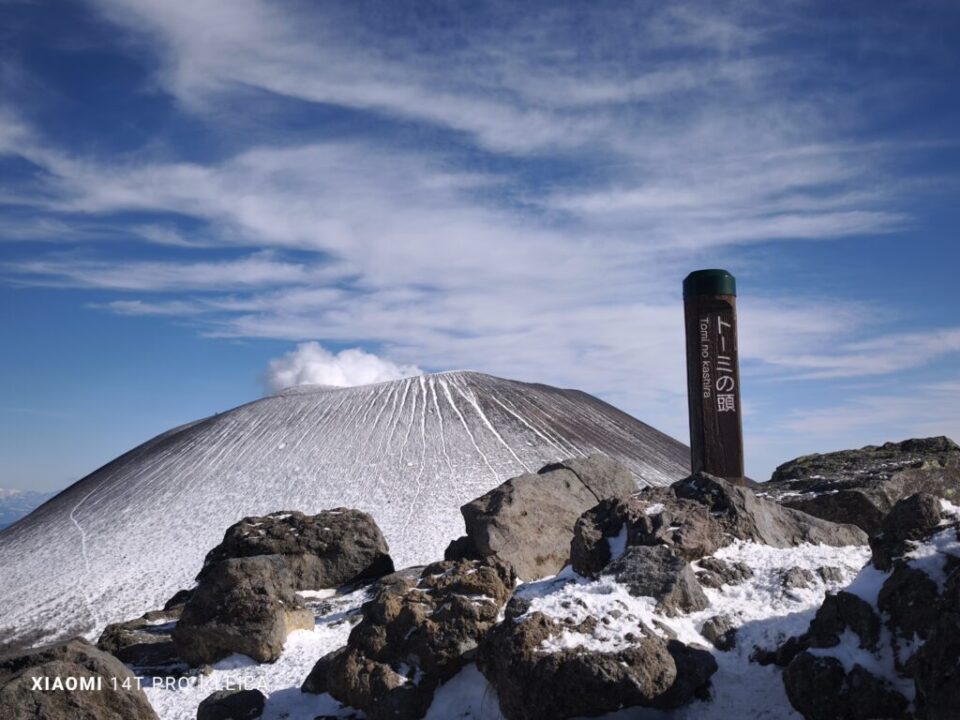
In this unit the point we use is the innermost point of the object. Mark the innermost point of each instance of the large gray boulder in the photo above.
(528, 520)
(534, 684)
(417, 632)
(695, 517)
(861, 486)
(242, 605)
(327, 550)
(110, 690)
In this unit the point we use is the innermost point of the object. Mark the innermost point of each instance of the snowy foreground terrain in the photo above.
(410, 452)
(766, 611)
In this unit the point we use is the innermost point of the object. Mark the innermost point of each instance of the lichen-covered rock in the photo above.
(536, 683)
(92, 672)
(655, 516)
(745, 516)
(327, 550)
(416, 633)
(861, 486)
(242, 605)
(528, 520)
(655, 571)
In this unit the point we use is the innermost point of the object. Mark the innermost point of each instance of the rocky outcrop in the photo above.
(416, 633)
(695, 517)
(242, 605)
(537, 682)
(232, 705)
(861, 486)
(936, 665)
(918, 549)
(910, 520)
(145, 642)
(327, 550)
(81, 680)
(820, 689)
(528, 520)
(655, 571)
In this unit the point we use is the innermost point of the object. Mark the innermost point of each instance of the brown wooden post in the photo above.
(713, 374)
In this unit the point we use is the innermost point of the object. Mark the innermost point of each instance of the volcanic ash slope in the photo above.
(409, 452)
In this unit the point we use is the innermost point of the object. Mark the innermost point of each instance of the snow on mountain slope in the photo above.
(126, 537)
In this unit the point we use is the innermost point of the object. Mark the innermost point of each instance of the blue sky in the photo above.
(190, 190)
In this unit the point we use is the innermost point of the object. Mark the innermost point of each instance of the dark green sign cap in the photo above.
(709, 282)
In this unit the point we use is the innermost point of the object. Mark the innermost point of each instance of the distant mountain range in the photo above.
(14, 504)
(410, 452)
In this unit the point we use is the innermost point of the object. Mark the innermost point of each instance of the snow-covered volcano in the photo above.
(410, 452)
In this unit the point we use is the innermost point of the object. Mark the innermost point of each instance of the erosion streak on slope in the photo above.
(527, 425)
(443, 439)
(463, 422)
(86, 559)
(560, 440)
(471, 399)
(423, 458)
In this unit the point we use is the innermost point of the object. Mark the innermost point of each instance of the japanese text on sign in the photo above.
(724, 387)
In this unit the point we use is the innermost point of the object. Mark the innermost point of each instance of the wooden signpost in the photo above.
(713, 374)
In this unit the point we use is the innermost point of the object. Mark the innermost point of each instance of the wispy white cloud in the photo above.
(886, 410)
(881, 355)
(312, 364)
(259, 269)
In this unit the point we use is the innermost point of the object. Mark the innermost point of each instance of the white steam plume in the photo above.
(312, 364)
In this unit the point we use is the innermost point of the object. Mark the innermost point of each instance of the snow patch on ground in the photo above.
(466, 695)
(931, 556)
(618, 543)
(866, 585)
(949, 508)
